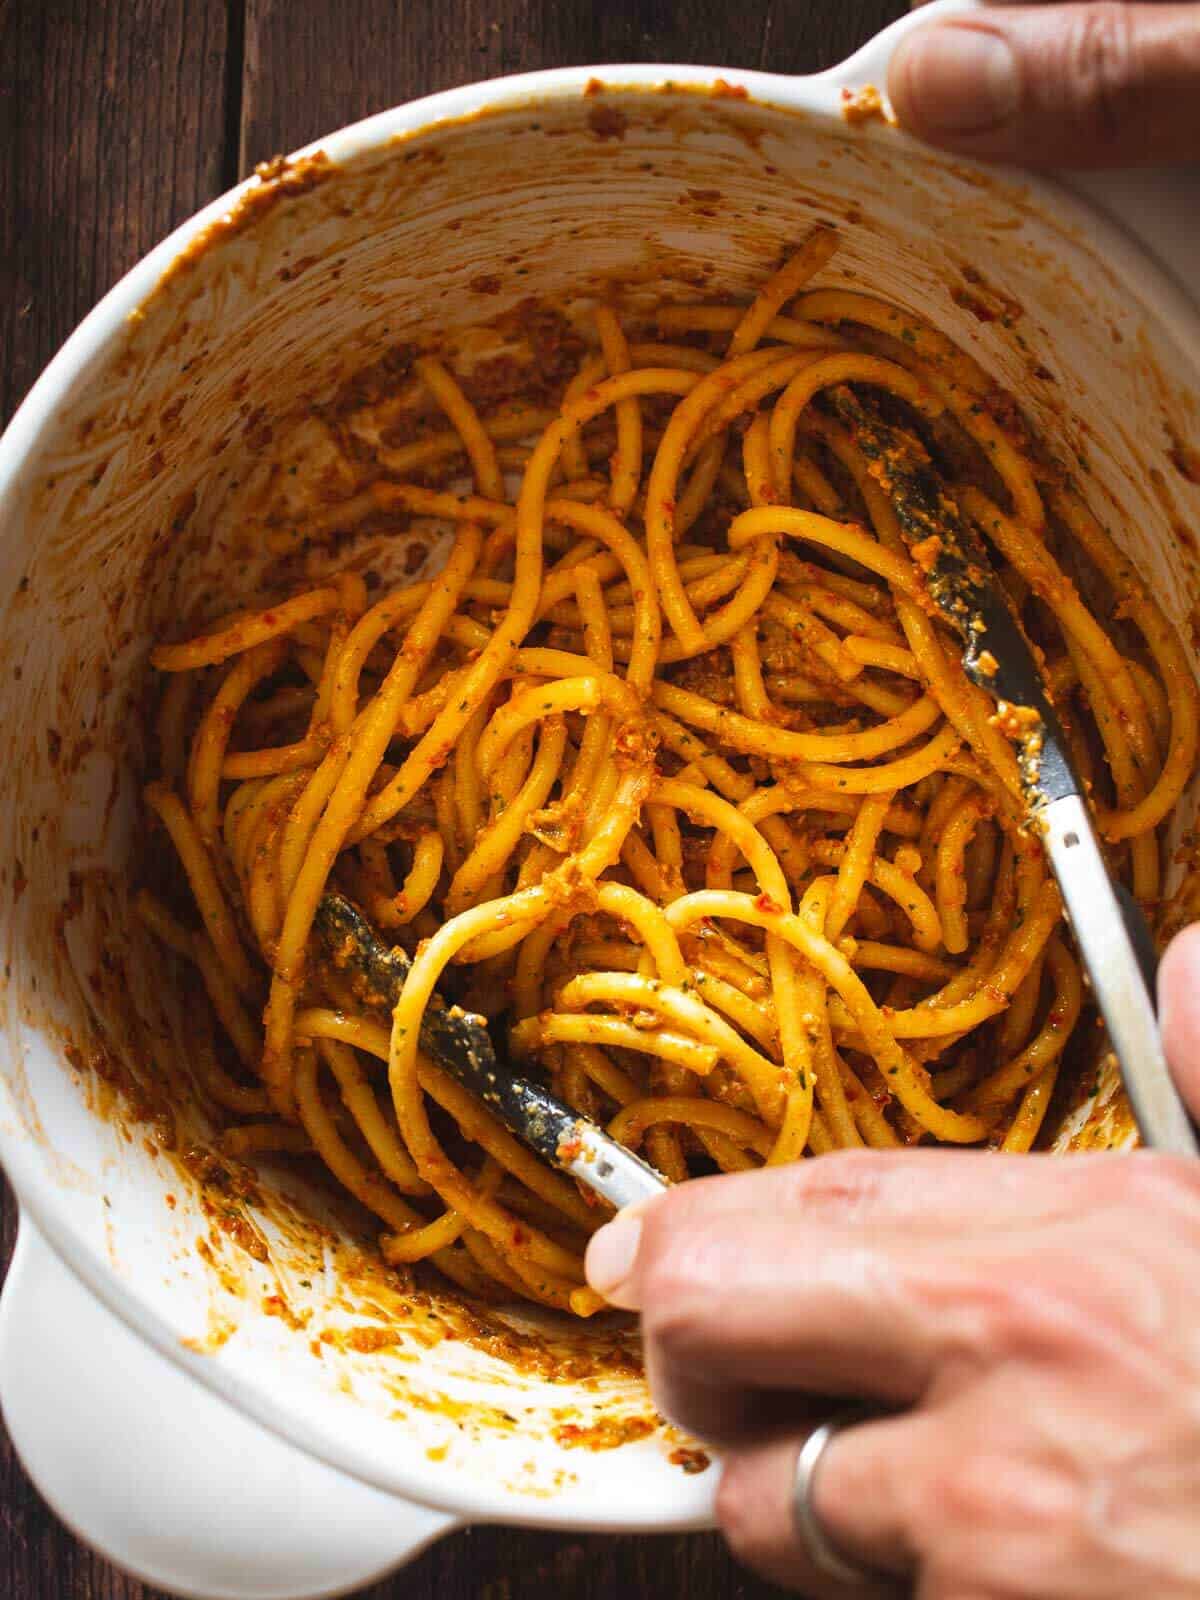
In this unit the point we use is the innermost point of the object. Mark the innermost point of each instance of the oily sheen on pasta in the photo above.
(670, 770)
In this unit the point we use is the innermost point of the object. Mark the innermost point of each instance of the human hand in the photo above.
(1092, 84)
(1034, 1320)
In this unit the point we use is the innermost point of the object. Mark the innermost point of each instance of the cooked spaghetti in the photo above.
(670, 770)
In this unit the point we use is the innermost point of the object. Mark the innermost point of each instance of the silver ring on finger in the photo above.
(820, 1548)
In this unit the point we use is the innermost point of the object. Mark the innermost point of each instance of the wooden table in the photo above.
(118, 119)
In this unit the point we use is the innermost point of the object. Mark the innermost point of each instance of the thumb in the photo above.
(1179, 1013)
(1084, 85)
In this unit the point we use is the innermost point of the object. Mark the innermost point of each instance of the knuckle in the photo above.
(1101, 66)
(677, 1272)
(844, 1184)
(1006, 1319)
(744, 1519)
(1158, 1185)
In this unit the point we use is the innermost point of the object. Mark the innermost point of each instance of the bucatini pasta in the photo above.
(669, 769)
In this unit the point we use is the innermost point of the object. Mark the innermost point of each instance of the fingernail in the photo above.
(611, 1258)
(949, 79)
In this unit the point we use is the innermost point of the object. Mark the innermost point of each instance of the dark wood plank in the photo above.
(112, 131)
(113, 118)
(118, 119)
(306, 77)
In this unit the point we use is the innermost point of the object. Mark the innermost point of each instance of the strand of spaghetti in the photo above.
(1034, 562)
(555, 1027)
(966, 707)
(495, 842)
(214, 730)
(352, 592)
(1010, 463)
(210, 649)
(261, 871)
(823, 374)
(370, 736)
(591, 371)
(421, 880)
(391, 496)
(242, 764)
(649, 923)
(818, 643)
(454, 1188)
(206, 890)
(170, 727)
(597, 634)
(367, 1187)
(1169, 657)
(876, 957)
(874, 1127)
(517, 913)
(844, 305)
(662, 488)
(782, 286)
(481, 677)
(723, 625)
(876, 653)
(236, 1097)
(686, 1011)
(756, 461)
(478, 446)
(1127, 778)
(898, 884)
(416, 1244)
(796, 1078)
(377, 885)
(747, 676)
(1154, 698)
(468, 791)
(359, 1099)
(307, 811)
(515, 421)
(1031, 1113)
(951, 878)
(591, 772)
(655, 353)
(1017, 1022)
(848, 614)
(627, 463)
(530, 705)
(746, 395)
(668, 847)
(846, 538)
(723, 319)
(752, 1018)
(261, 1138)
(929, 1021)
(692, 1111)
(761, 805)
(397, 606)
(722, 578)
(857, 859)
(900, 1073)
(815, 908)
(592, 1061)
(998, 1089)
(647, 621)
(899, 774)
(476, 1121)
(784, 744)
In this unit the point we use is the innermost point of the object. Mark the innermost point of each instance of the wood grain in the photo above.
(118, 118)
(360, 56)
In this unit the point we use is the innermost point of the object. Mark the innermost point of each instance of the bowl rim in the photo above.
(818, 98)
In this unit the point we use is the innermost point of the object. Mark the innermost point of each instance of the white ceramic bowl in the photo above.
(158, 1399)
